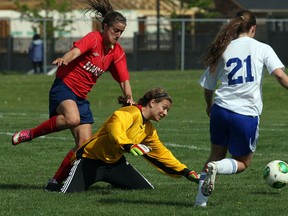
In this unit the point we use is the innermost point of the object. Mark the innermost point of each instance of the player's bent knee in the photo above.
(72, 122)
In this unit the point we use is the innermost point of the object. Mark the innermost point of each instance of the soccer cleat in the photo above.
(53, 186)
(199, 204)
(209, 181)
(21, 136)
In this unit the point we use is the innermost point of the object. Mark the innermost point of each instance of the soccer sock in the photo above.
(46, 127)
(201, 200)
(227, 166)
(64, 169)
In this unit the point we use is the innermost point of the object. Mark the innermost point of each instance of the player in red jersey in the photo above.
(78, 71)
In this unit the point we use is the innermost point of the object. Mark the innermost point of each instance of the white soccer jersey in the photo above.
(241, 71)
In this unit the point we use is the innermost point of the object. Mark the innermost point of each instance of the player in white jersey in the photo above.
(238, 61)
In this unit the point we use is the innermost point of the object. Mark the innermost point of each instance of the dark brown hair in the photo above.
(242, 23)
(104, 9)
(158, 94)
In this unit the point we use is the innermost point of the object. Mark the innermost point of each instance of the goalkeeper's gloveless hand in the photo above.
(139, 149)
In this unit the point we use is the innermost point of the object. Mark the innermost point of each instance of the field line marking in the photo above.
(71, 139)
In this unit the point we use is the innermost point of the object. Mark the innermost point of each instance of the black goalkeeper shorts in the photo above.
(121, 174)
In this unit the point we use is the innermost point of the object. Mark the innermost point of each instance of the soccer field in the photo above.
(25, 168)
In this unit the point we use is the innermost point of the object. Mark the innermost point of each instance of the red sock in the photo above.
(65, 167)
(46, 127)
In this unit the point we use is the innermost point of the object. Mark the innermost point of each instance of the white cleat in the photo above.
(209, 181)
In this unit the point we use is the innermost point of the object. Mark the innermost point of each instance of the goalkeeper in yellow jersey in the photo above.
(127, 130)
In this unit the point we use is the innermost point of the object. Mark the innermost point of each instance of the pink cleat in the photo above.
(21, 136)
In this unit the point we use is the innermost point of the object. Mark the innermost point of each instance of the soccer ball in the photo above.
(276, 174)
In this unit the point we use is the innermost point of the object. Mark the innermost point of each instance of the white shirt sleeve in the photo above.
(208, 80)
(271, 60)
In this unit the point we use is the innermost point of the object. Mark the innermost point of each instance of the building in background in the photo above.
(141, 16)
(150, 43)
(277, 9)
(146, 39)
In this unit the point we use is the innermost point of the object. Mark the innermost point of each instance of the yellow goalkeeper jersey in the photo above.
(125, 126)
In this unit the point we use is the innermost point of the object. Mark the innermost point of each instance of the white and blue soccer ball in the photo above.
(276, 174)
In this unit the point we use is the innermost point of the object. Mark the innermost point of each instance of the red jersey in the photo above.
(82, 73)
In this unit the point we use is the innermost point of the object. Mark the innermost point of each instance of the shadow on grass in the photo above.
(143, 202)
(102, 189)
(20, 186)
(266, 193)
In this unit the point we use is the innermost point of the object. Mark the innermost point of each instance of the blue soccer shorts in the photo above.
(60, 92)
(239, 133)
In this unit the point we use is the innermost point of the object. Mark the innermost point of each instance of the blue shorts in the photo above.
(239, 133)
(60, 92)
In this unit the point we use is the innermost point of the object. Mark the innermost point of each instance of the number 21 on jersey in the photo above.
(233, 77)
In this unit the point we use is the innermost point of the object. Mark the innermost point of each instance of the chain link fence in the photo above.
(178, 45)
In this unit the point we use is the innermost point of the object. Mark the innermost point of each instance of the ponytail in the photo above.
(242, 23)
(104, 12)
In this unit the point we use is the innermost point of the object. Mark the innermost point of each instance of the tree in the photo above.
(205, 7)
(50, 8)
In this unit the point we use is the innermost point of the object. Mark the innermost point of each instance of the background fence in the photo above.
(178, 47)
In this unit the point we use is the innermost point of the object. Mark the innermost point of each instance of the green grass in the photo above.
(25, 169)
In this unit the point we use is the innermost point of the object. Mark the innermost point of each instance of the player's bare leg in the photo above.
(68, 117)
